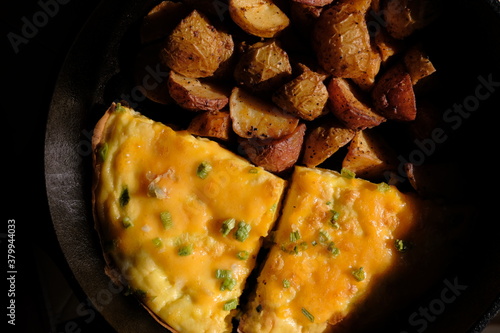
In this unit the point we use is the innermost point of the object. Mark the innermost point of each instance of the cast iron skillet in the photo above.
(464, 45)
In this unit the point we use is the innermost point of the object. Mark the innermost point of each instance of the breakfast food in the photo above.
(181, 219)
(269, 93)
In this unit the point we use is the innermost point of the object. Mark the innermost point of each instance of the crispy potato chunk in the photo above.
(418, 64)
(341, 39)
(393, 94)
(403, 17)
(253, 117)
(214, 124)
(275, 155)
(348, 106)
(261, 18)
(194, 95)
(324, 141)
(369, 156)
(367, 80)
(304, 96)
(264, 66)
(195, 48)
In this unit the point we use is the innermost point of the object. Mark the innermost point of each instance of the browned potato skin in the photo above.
(324, 141)
(393, 95)
(304, 96)
(195, 48)
(254, 117)
(341, 39)
(192, 94)
(260, 18)
(418, 64)
(348, 107)
(369, 156)
(275, 155)
(263, 67)
(214, 124)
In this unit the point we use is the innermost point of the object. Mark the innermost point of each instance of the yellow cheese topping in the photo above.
(181, 217)
(336, 235)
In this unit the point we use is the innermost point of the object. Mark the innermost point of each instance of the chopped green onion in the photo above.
(401, 245)
(359, 274)
(333, 219)
(124, 197)
(185, 250)
(222, 273)
(228, 284)
(243, 255)
(203, 170)
(227, 226)
(294, 236)
(166, 220)
(157, 242)
(286, 283)
(383, 187)
(243, 231)
(335, 251)
(119, 107)
(127, 222)
(346, 173)
(308, 315)
(253, 170)
(230, 305)
(103, 151)
(324, 237)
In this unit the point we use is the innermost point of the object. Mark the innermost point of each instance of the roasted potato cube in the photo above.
(261, 18)
(324, 141)
(253, 117)
(316, 3)
(304, 96)
(195, 48)
(214, 124)
(367, 80)
(347, 104)
(276, 155)
(341, 39)
(386, 45)
(194, 95)
(418, 64)
(403, 17)
(393, 95)
(161, 20)
(264, 66)
(369, 156)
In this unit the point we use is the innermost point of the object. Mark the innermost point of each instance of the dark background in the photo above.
(48, 298)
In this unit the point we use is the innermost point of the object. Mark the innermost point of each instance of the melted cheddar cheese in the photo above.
(335, 237)
(162, 199)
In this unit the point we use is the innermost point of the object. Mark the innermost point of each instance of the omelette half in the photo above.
(180, 219)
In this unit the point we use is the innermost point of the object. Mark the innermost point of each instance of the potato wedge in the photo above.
(276, 155)
(213, 124)
(404, 17)
(264, 66)
(261, 18)
(194, 95)
(341, 39)
(304, 96)
(254, 117)
(348, 106)
(161, 20)
(195, 48)
(418, 64)
(324, 141)
(369, 156)
(393, 95)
